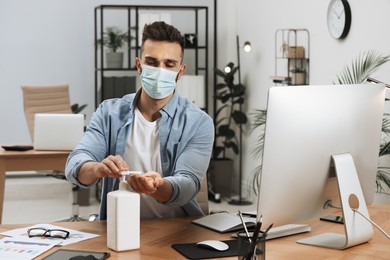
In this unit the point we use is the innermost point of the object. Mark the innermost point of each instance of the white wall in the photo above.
(51, 42)
(256, 21)
(47, 42)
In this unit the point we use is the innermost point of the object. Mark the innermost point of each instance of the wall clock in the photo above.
(339, 18)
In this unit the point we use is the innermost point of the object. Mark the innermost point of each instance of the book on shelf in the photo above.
(280, 79)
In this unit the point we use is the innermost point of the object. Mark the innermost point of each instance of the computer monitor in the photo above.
(305, 127)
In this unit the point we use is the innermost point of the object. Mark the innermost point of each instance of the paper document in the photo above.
(74, 237)
(24, 248)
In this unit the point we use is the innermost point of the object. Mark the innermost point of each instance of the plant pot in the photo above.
(114, 60)
(220, 174)
(298, 78)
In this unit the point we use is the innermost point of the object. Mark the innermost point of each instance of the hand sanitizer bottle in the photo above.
(123, 218)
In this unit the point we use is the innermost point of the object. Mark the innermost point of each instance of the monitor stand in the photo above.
(357, 229)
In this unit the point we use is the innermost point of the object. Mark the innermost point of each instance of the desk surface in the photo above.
(29, 153)
(32, 160)
(158, 235)
(28, 161)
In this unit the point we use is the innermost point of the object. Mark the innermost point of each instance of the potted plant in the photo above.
(360, 69)
(76, 108)
(259, 118)
(358, 72)
(228, 122)
(113, 39)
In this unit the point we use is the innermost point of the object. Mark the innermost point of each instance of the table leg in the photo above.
(2, 188)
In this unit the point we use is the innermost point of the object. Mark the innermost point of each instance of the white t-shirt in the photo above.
(142, 153)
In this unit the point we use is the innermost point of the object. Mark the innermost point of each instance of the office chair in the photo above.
(50, 99)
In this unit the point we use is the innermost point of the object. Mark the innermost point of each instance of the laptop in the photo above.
(57, 131)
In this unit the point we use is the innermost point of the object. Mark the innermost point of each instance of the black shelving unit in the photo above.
(196, 56)
(292, 57)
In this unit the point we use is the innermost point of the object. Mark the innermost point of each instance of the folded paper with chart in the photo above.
(57, 131)
(22, 247)
(224, 222)
(17, 244)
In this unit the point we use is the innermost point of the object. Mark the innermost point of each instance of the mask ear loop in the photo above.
(178, 73)
(139, 70)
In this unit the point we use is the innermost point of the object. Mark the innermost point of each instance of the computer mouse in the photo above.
(213, 245)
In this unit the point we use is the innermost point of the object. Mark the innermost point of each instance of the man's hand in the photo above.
(108, 167)
(111, 166)
(147, 183)
(152, 184)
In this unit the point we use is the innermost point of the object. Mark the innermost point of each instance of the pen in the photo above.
(266, 231)
(245, 228)
(261, 221)
(249, 215)
(252, 245)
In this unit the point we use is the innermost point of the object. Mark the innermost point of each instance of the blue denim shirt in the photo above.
(186, 140)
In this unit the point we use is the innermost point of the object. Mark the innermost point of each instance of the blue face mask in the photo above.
(158, 83)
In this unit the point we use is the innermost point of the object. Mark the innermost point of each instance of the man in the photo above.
(154, 131)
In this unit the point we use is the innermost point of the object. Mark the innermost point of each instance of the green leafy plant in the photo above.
(362, 67)
(259, 118)
(229, 115)
(114, 38)
(76, 108)
(383, 173)
(358, 72)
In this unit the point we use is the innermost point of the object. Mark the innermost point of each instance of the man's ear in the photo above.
(138, 65)
(183, 68)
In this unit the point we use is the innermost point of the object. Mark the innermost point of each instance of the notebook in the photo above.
(57, 131)
(224, 222)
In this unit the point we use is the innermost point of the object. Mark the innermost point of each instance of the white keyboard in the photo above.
(287, 230)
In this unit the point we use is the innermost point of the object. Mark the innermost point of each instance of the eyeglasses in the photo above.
(43, 232)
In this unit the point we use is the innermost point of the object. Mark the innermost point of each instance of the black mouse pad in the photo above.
(192, 251)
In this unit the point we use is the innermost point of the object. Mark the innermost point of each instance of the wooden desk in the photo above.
(158, 235)
(28, 161)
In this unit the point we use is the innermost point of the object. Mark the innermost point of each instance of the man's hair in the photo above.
(160, 31)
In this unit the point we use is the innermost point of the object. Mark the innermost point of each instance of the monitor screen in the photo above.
(305, 126)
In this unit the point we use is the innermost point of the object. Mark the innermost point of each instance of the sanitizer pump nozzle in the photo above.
(123, 181)
(123, 217)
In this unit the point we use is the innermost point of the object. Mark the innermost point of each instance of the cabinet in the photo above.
(115, 82)
(292, 57)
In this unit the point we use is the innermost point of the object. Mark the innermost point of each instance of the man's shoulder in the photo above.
(186, 106)
(123, 101)
(190, 114)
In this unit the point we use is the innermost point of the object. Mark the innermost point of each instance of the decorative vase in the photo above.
(114, 60)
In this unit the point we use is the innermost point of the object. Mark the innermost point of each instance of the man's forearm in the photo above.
(87, 174)
(164, 192)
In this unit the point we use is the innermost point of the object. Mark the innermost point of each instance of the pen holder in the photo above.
(251, 248)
